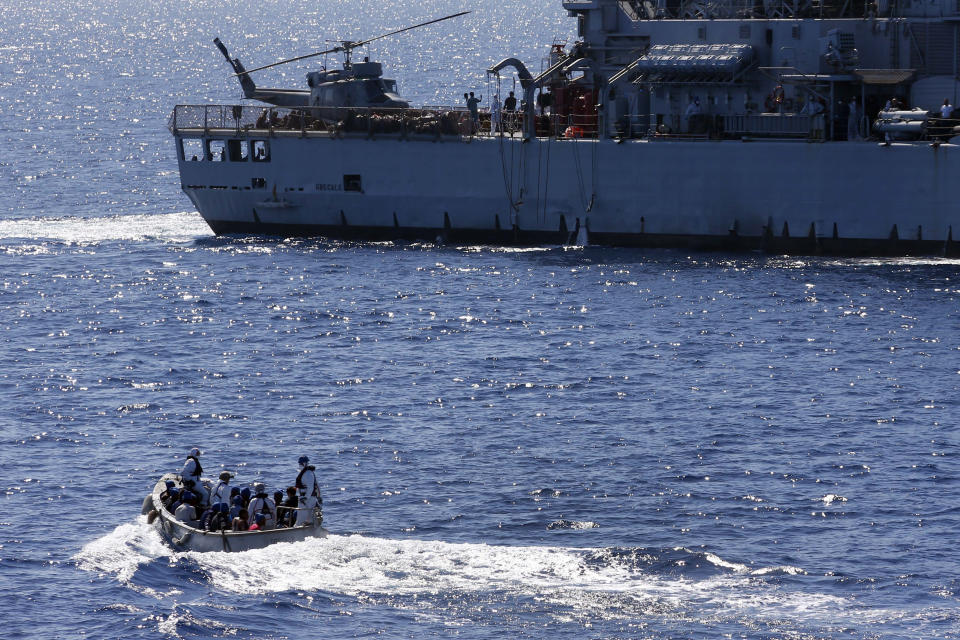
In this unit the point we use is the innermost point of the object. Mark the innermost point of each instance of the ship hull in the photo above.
(859, 198)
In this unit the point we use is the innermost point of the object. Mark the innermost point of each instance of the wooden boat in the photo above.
(184, 537)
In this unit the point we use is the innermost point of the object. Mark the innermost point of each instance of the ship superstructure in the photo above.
(799, 127)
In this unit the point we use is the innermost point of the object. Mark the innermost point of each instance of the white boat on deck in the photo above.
(184, 537)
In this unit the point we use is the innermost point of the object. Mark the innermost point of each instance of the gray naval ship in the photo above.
(785, 126)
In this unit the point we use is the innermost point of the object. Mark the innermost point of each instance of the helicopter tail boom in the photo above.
(246, 82)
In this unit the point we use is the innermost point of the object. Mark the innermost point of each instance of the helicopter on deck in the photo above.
(357, 84)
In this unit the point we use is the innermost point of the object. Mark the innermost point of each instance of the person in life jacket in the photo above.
(222, 491)
(190, 475)
(309, 492)
(261, 504)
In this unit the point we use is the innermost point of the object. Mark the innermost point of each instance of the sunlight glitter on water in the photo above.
(181, 227)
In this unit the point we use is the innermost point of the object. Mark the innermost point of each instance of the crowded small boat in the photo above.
(195, 513)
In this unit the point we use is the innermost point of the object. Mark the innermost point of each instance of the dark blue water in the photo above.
(579, 443)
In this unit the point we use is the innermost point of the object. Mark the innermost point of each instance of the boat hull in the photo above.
(186, 538)
(858, 198)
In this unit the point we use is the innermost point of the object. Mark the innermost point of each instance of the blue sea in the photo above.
(540, 443)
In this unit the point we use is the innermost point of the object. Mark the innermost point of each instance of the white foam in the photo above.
(568, 578)
(169, 226)
(121, 551)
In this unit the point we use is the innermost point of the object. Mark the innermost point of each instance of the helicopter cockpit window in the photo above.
(237, 150)
(216, 150)
(192, 149)
(374, 90)
(261, 151)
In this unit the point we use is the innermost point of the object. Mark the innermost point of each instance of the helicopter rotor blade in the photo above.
(277, 64)
(347, 45)
(416, 26)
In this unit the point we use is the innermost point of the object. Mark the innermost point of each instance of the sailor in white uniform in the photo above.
(222, 491)
(308, 491)
(495, 113)
(190, 476)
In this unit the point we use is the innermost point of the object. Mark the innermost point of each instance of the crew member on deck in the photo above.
(946, 111)
(853, 120)
(693, 114)
(309, 492)
(473, 105)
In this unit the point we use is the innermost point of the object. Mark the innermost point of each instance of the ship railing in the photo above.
(243, 119)
(436, 121)
(940, 129)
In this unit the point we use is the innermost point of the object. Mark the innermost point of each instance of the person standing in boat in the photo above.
(190, 475)
(309, 492)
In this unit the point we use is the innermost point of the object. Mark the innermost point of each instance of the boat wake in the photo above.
(172, 227)
(611, 584)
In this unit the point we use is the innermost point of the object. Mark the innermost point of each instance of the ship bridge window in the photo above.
(261, 150)
(238, 150)
(191, 148)
(216, 150)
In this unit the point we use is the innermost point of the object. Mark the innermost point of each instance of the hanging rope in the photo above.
(581, 191)
(506, 171)
(546, 180)
(594, 161)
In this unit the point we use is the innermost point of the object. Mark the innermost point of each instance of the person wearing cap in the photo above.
(172, 501)
(221, 517)
(261, 504)
(309, 492)
(208, 514)
(259, 524)
(187, 511)
(236, 506)
(170, 484)
(190, 475)
(222, 491)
